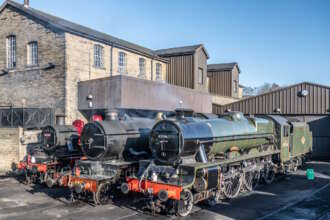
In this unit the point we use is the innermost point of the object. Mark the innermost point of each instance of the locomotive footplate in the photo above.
(163, 191)
(99, 179)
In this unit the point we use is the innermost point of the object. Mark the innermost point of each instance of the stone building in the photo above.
(43, 57)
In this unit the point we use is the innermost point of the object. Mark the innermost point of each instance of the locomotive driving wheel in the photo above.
(185, 204)
(251, 179)
(268, 173)
(233, 184)
(102, 195)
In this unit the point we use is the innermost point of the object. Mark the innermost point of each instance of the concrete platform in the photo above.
(290, 197)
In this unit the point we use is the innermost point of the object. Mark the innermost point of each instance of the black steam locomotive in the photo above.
(113, 148)
(51, 160)
(186, 158)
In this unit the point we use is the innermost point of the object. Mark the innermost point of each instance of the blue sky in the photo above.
(281, 41)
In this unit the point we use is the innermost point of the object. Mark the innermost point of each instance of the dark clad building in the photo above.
(224, 79)
(187, 66)
(307, 102)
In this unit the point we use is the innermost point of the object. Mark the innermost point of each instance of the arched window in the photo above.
(11, 51)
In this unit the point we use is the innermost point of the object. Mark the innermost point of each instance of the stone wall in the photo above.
(80, 67)
(32, 86)
(11, 151)
(223, 100)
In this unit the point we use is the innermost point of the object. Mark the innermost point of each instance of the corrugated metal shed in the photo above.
(290, 100)
(305, 101)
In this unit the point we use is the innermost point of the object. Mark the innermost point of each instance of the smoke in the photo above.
(174, 97)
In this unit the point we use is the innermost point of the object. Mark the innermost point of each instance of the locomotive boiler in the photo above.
(172, 141)
(213, 159)
(114, 139)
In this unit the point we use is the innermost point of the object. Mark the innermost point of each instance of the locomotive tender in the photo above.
(195, 160)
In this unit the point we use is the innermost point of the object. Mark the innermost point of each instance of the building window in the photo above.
(142, 67)
(98, 56)
(235, 86)
(122, 62)
(11, 52)
(200, 76)
(32, 54)
(158, 71)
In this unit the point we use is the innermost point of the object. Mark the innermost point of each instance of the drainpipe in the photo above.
(89, 62)
(111, 60)
(152, 67)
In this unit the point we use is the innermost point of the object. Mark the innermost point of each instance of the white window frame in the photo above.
(122, 62)
(235, 86)
(158, 71)
(142, 67)
(98, 56)
(11, 52)
(200, 76)
(32, 53)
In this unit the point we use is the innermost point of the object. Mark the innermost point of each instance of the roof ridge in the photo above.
(222, 63)
(279, 89)
(75, 28)
(186, 46)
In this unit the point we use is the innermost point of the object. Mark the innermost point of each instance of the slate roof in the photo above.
(176, 51)
(57, 23)
(222, 67)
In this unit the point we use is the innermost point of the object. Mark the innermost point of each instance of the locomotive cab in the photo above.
(54, 137)
(293, 138)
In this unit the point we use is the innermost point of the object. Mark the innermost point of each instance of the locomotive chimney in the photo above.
(179, 113)
(182, 112)
(111, 115)
(60, 119)
(26, 3)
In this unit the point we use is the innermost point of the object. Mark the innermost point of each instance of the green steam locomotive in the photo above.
(195, 160)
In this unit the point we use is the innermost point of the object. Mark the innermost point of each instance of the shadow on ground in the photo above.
(290, 196)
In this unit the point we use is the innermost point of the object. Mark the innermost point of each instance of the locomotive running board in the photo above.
(237, 138)
(234, 160)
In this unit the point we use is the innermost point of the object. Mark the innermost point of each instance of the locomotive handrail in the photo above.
(234, 160)
(118, 134)
(236, 138)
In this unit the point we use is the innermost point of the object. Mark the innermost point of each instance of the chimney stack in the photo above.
(26, 3)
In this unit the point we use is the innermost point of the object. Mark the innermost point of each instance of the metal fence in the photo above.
(26, 117)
